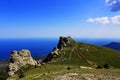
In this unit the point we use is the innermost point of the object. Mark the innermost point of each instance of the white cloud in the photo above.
(91, 20)
(106, 20)
(113, 4)
(115, 19)
(102, 20)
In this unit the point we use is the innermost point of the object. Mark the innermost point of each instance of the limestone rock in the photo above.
(63, 42)
(19, 59)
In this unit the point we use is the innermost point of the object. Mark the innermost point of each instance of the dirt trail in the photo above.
(80, 55)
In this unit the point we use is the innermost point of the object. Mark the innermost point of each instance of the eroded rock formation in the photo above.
(19, 59)
(63, 42)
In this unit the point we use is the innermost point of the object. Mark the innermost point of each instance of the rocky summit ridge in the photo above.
(72, 53)
(57, 51)
(63, 42)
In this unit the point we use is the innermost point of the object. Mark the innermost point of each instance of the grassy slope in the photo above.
(50, 71)
(96, 54)
(69, 56)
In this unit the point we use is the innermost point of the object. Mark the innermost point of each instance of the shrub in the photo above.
(3, 75)
(99, 67)
(68, 68)
(21, 74)
(106, 66)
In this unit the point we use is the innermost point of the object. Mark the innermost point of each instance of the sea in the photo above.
(41, 46)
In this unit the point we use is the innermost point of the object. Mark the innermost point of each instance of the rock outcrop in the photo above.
(19, 59)
(23, 57)
(63, 42)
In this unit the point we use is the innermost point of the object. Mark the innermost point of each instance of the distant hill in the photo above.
(113, 45)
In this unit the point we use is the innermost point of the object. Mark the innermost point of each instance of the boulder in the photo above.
(19, 59)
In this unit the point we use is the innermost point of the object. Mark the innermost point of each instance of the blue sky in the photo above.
(54, 18)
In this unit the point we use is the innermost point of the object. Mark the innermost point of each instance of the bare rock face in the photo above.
(63, 42)
(19, 59)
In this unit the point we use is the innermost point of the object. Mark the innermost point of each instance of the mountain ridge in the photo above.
(113, 45)
(86, 52)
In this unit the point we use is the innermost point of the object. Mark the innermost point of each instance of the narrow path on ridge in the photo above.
(80, 55)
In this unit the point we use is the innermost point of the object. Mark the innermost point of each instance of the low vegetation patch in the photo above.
(3, 75)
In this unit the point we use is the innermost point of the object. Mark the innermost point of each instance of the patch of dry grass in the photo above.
(60, 72)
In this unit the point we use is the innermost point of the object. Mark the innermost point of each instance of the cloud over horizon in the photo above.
(102, 20)
(113, 4)
(116, 19)
(105, 20)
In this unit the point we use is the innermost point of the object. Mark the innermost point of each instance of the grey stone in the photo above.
(63, 42)
(19, 59)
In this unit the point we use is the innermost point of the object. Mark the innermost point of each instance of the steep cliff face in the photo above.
(19, 59)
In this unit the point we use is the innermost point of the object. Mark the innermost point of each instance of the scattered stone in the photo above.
(67, 76)
(86, 50)
(84, 67)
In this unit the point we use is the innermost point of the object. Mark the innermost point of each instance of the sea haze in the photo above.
(41, 46)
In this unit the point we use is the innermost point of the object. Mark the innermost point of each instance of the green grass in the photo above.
(46, 70)
(49, 71)
(99, 55)
(3, 75)
(70, 57)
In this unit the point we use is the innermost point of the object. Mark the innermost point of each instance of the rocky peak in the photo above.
(19, 59)
(63, 42)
